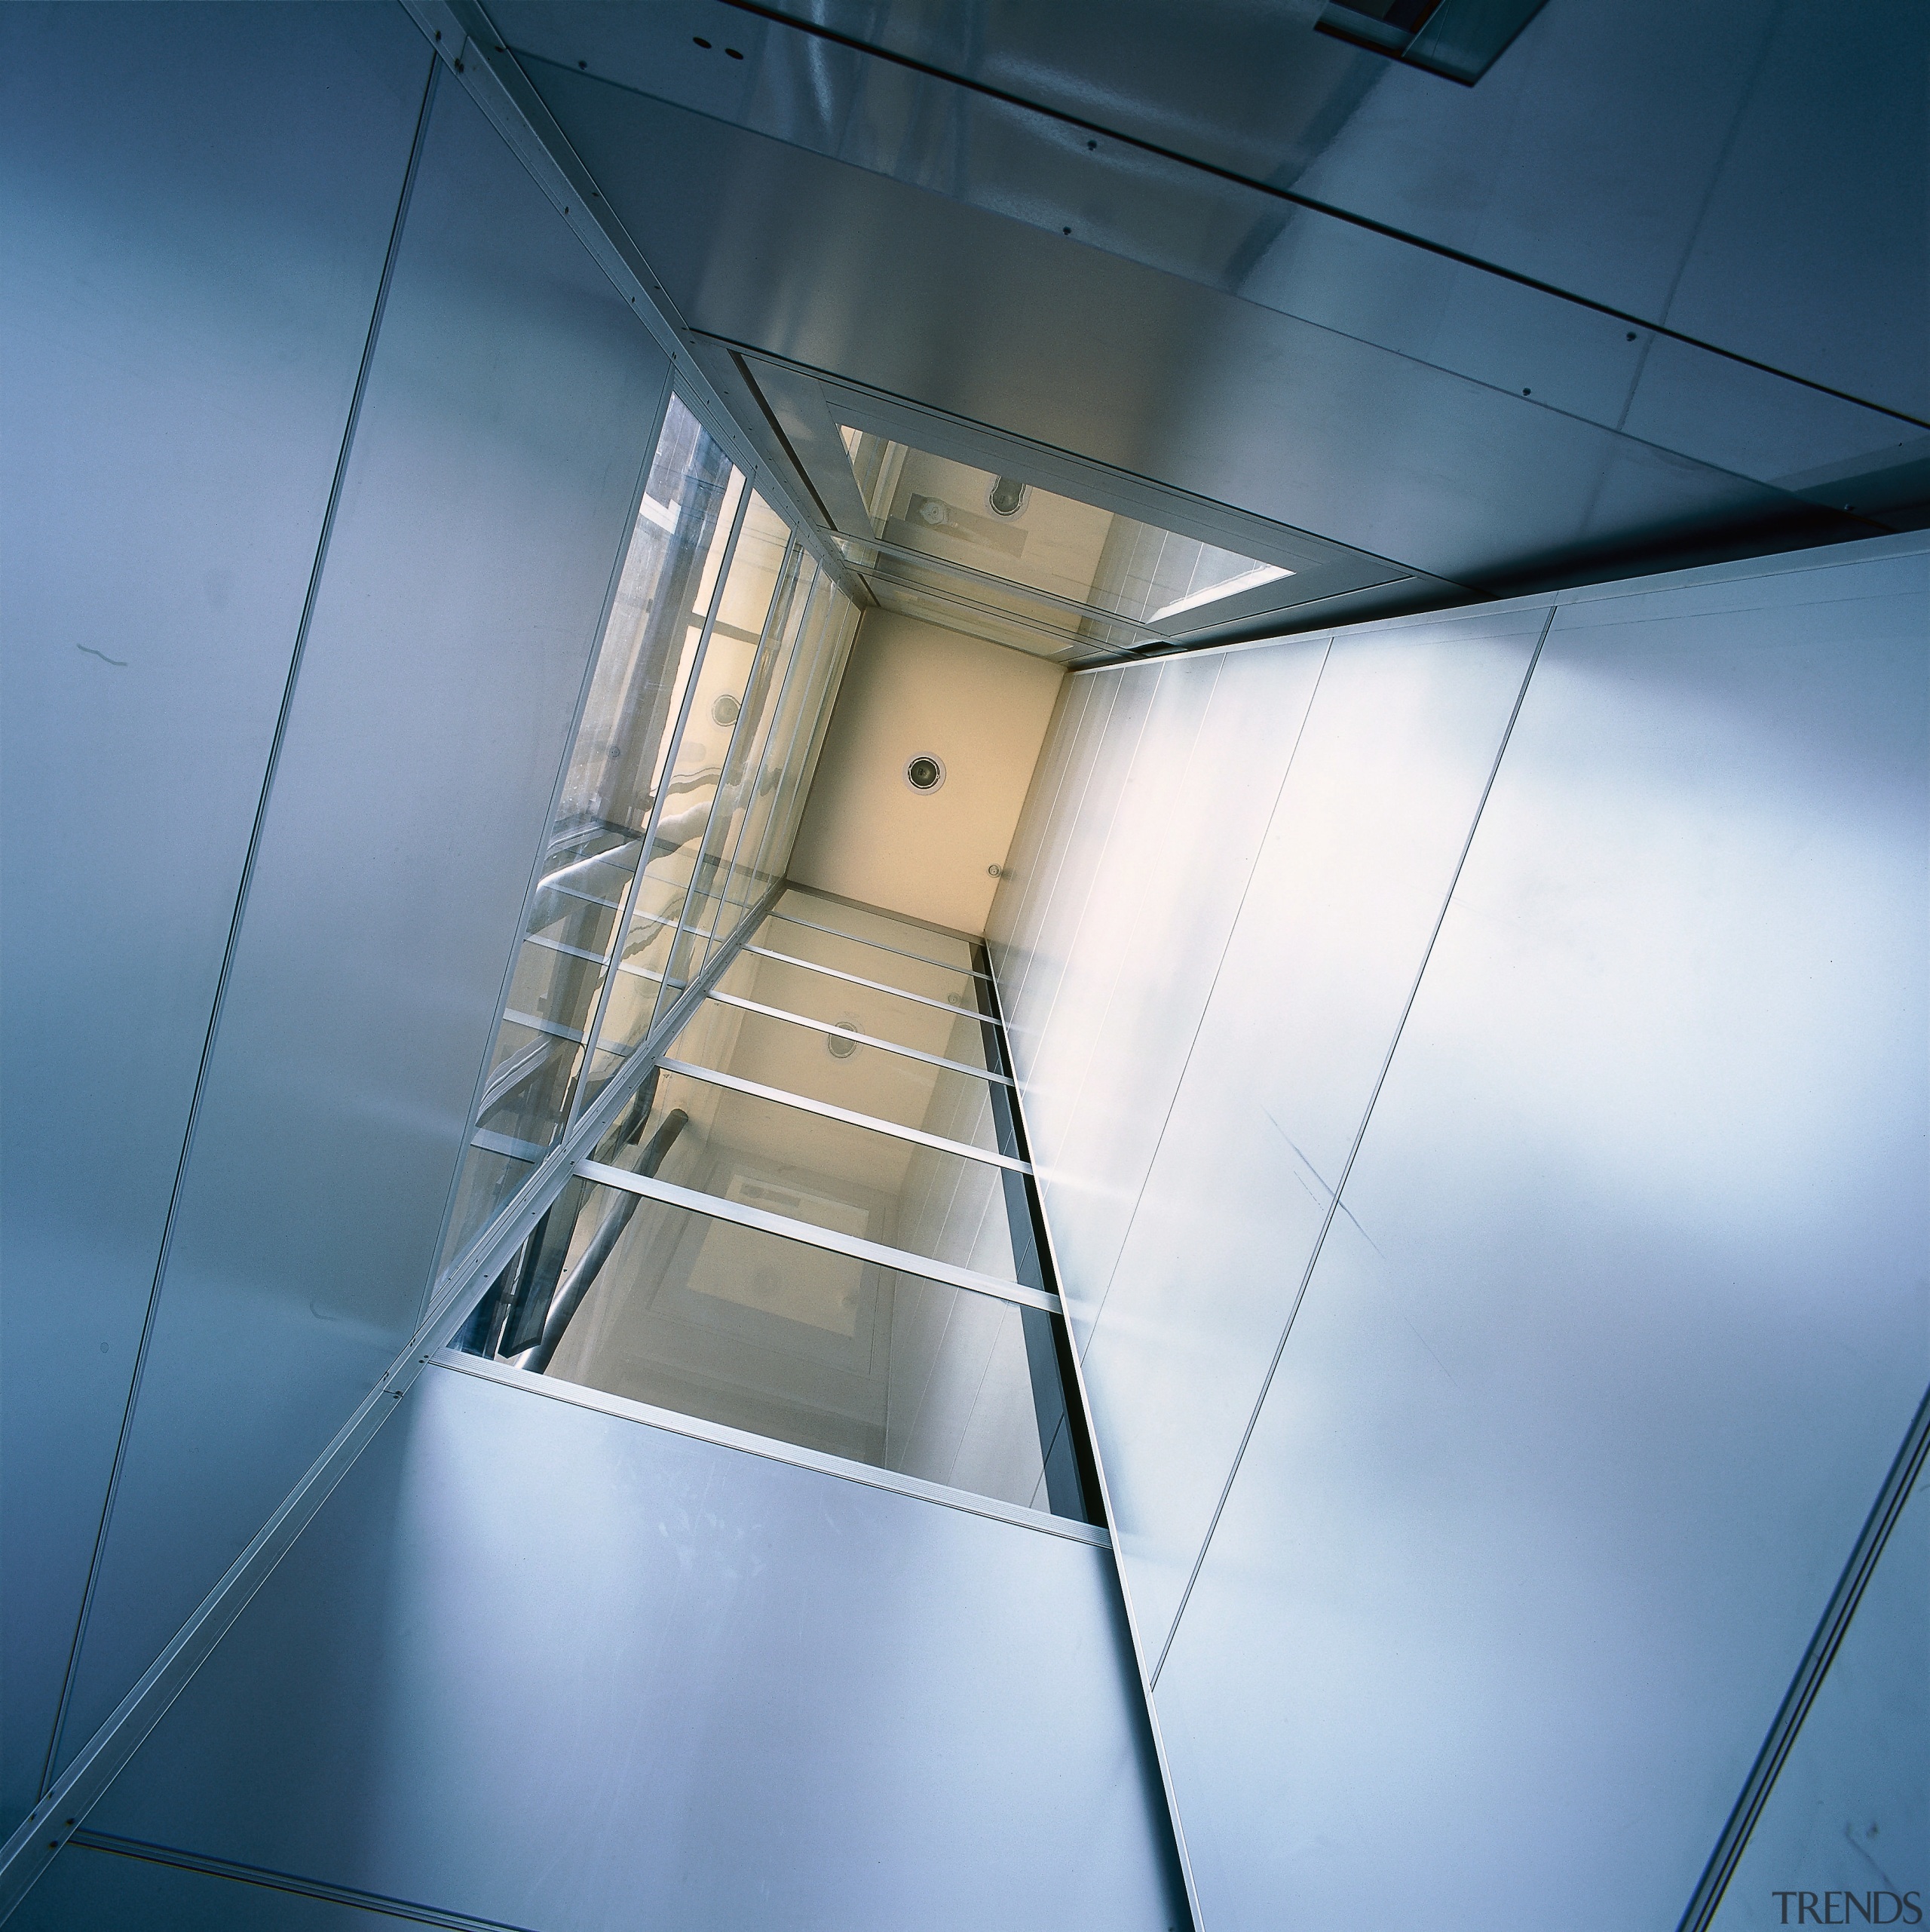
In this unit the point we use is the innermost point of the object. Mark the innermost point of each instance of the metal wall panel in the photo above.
(87, 1885)
(509, 410)
(1623, 1315)
(1444, 469)
(1850, 1810)
(561, 1669)
(1370, 822)
(198, 203)
(1214, 753)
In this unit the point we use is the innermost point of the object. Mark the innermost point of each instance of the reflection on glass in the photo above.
(694, 1313)
(713, 703)
(864, 1079)
(876, 928)
(868, 961)
(953, 1033)
(643, 666)
(711, 912)
(743, 883)
(1053, 571)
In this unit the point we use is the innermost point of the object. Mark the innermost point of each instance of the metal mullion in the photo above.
(593, 1033)
(814, 747)
(811, 1235)
(854, 978)
(737, 1084)
(792, 548)
(824, 660)
(838, 1032)
(769, 737)
(819, 648)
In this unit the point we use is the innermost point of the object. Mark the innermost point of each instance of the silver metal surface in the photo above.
(854, 978)
(620, 927)
(466, 41)
(1850, 1807)
(38, 1839)
(962, 1148)
(114, 1883)
(170, 432)
(789, 1643)
(393, 858)
(862, 1039)
(1377, 793)
(1220, 735)
(703, 1429)
(1456, 416)
(1622, 1318)
(900, 1259)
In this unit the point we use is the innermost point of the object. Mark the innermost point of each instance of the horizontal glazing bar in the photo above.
(493, 1143)
(589, 898)
(774, 1448)
(761, 1092)
(876, 986)
(607, 857)
(782, 1225)
(878, 945)
(537, 1024)
(862, 1039)
(557, 946)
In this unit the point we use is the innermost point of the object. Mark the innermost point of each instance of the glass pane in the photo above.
(764, 766)
(884, 1086)
(945, 1206)
(878, 928)
(695, 1314)
(1069, 573)
(761, 592)
(953, 1034)
(488, 1179)
(868, 961)
(695, 766)
(833, 622)
(644, 663)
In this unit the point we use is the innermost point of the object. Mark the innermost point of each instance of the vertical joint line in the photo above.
(1360, 1135)
(1824, 1644)
(63, 1709)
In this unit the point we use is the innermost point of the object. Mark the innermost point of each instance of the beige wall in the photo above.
(911, 688)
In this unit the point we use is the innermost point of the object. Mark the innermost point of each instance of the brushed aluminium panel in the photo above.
(92, 1885)
(1850, 1810)
(197, 209)
(1624, 1316)
(1414, 443)
(1100, 757)
(1032, 926)
(508, 411)
(1370, 822)
(1017, 894)
(761, 1695)
(1177, 870)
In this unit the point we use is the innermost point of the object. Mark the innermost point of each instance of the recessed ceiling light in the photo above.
(924, 773)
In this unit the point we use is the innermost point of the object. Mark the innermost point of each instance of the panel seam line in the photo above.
(1360, 1135)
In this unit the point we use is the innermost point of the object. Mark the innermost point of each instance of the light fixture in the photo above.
(924, 772)
(838, 1045)
(1007, 496)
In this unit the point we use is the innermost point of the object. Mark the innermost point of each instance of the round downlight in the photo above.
(925, 772)
(1006, 497)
